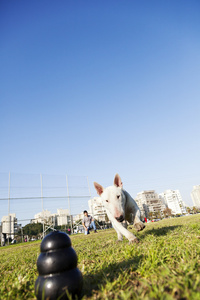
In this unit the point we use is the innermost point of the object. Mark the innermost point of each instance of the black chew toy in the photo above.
(57, 267)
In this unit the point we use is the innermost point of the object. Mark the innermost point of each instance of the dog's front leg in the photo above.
(137, 222)
(122, 231)
(119, 235)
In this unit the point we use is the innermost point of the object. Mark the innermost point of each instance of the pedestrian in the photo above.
(88, 223)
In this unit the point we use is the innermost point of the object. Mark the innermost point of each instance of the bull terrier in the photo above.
(120, 206)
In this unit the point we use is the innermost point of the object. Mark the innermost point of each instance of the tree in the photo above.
(157, 214)
(167, 212)
(106, 218)
(194, 209)
(150, 215)
(33, 229)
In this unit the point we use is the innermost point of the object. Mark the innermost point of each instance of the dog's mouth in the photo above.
(120, 219)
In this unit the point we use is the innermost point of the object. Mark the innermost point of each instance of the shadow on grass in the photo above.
(159, 231)
(93, 282)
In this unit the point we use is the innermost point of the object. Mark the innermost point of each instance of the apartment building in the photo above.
(79, 217)
(60, 218)
(195, 194)
(97, 209)
(9, 225)
(42, 217)
(148, 201)
(173, 200)
(63, 217)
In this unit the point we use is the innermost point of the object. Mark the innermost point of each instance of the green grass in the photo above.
(164, 265)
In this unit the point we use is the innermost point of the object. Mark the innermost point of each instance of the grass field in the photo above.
(164, 265)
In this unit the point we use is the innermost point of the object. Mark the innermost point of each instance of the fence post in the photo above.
(69, 205)
(1, 234)
(90, 197)
(9, 222)
(42, 203)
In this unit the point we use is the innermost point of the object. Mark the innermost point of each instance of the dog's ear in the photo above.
(98, 188)
(118, 181)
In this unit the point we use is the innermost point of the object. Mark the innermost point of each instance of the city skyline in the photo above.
(98, 88)
(54, 196)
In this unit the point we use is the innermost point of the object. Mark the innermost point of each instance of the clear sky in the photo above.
(94, 88)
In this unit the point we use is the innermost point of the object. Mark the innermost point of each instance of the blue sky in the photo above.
(94, 88)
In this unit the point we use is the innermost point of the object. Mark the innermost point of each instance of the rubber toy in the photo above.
(59, 276)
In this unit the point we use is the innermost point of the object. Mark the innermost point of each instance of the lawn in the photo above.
(164, 265)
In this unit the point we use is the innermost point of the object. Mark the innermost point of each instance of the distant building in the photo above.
(78, 217)
(148, 201)
(97, 209)
(63, 217)
(195, 194)
(42, 217)
(9, 225)
(173, 200)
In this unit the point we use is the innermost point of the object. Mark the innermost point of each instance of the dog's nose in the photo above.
(120, 219)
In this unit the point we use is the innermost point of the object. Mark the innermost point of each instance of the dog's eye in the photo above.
(118, 196)
(106, 200)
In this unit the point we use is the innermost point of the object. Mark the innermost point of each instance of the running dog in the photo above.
(120, 206)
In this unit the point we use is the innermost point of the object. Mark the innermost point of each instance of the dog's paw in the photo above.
(139, 226)
(119, 241)
(135, 241)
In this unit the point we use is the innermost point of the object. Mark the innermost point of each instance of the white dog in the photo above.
(120, 206)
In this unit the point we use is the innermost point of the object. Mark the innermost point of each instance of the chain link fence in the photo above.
(29, 198)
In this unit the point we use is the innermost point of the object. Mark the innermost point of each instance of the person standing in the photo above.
(88, 223)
